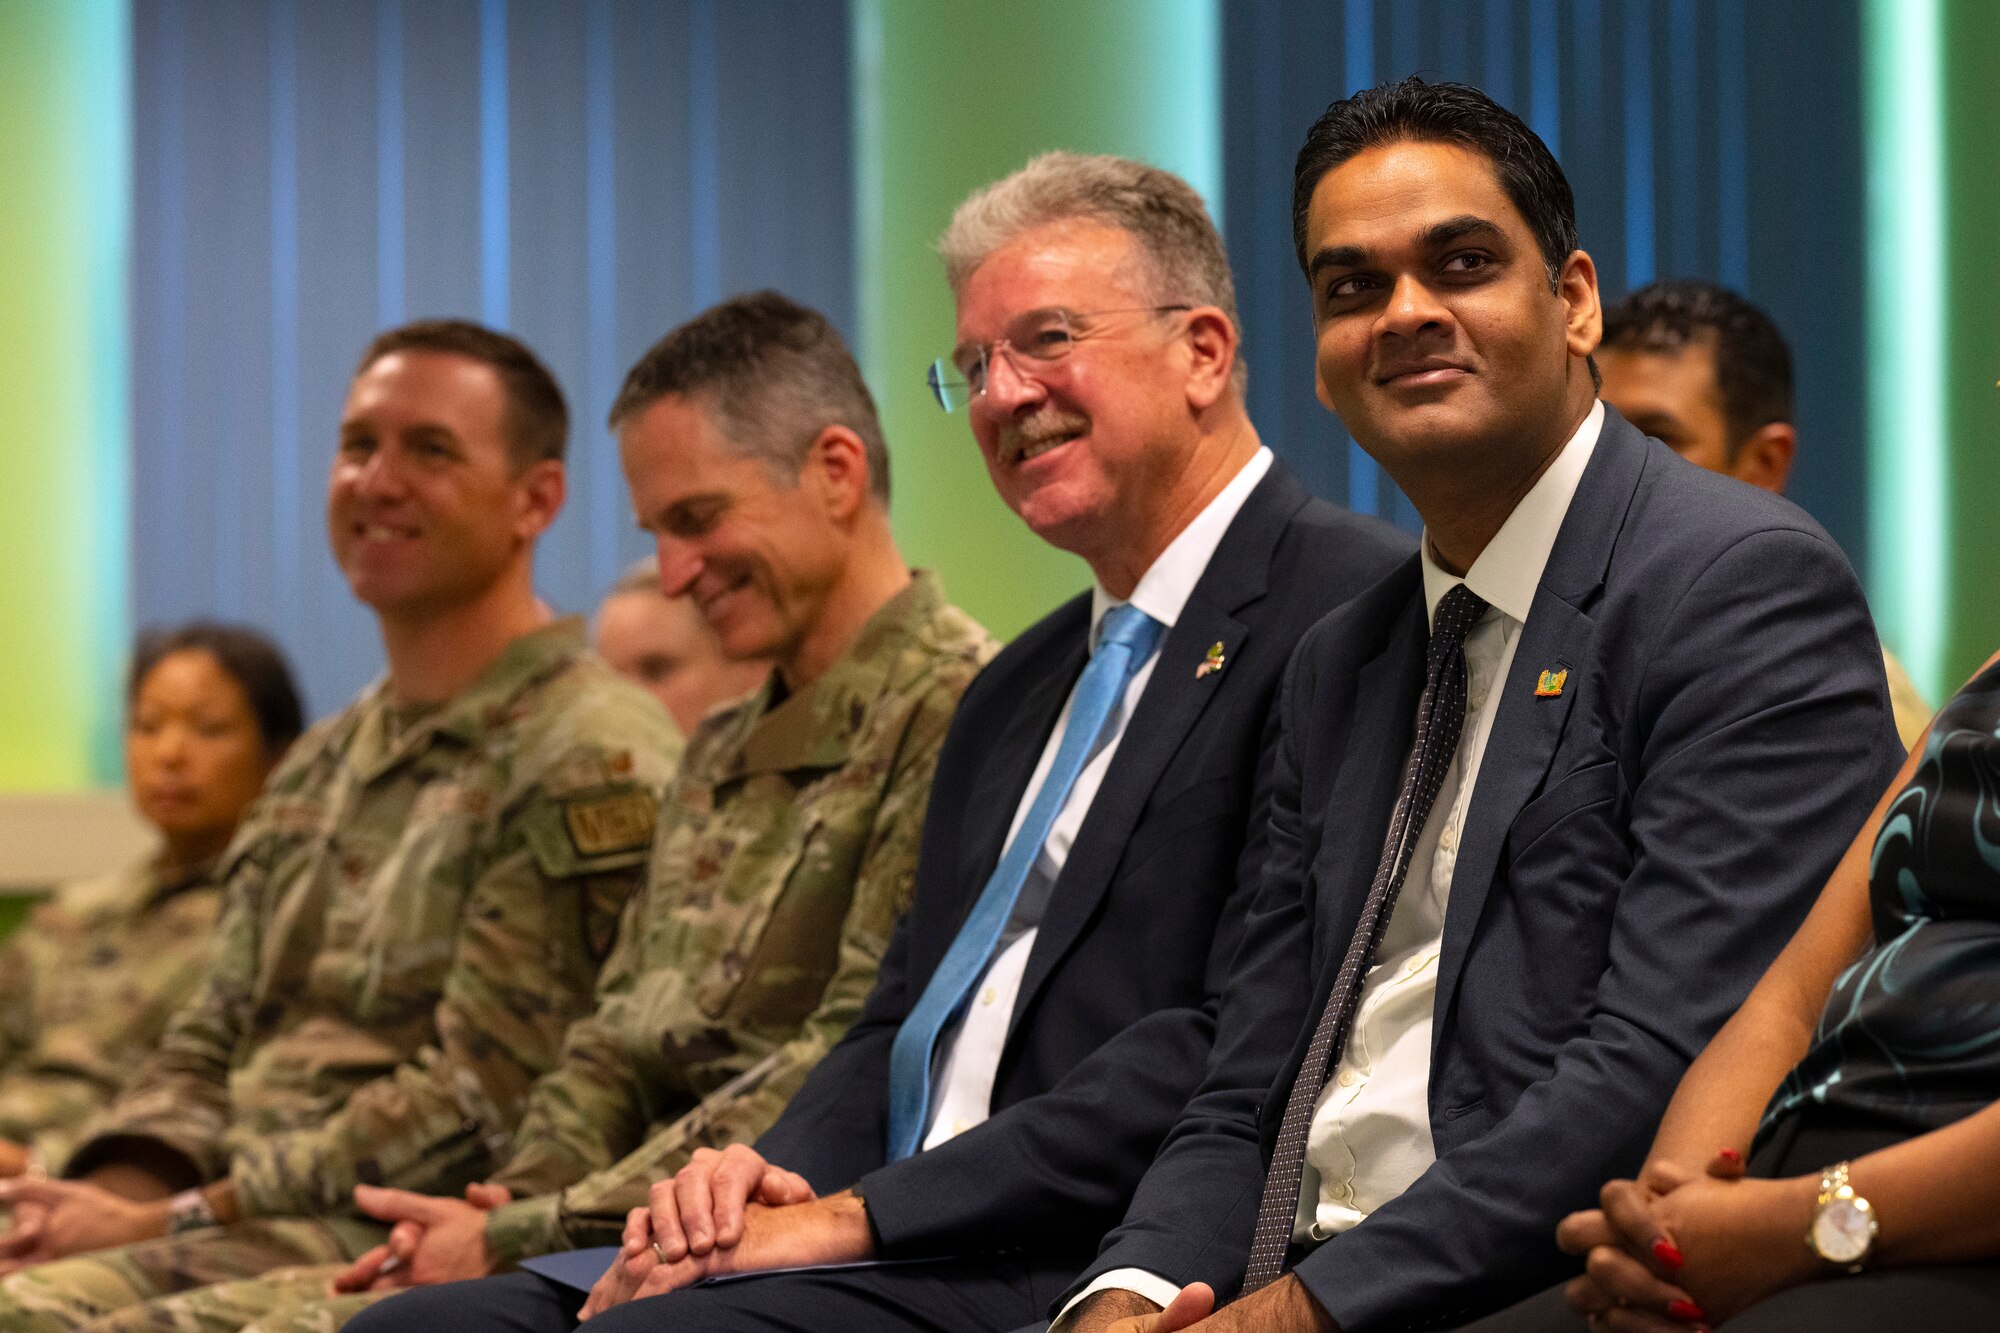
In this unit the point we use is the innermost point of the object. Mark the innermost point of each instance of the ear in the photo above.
(539, 492)
(1765, 459)
(837, 462)
(1211, 342)
(1576, 287)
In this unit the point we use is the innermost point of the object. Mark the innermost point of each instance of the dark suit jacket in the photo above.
(1111, 1030)
(1636, 852)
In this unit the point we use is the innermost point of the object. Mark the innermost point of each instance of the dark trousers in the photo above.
(1954, 1298)
(991, 1295)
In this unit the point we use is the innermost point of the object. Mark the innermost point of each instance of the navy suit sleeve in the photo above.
(1073, 1154)
(1760, 740)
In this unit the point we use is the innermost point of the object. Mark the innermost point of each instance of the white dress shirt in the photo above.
(1370, 1136)
(969, 1054)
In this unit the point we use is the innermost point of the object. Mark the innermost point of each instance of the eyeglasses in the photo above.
(1037, 339)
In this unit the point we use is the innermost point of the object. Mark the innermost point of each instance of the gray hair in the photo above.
(1182, 251)
(772, 374)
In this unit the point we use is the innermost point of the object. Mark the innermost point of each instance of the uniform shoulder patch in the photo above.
(602, 825)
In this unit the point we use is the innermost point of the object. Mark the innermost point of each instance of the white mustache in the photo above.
(1019, 438)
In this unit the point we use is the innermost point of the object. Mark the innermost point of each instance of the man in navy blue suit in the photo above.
(1549, 797)
(1094, 828)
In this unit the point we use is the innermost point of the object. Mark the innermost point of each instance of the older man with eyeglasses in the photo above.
(1095, 824)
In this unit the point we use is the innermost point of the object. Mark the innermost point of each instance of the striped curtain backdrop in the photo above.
(1703, 138)
(584, 174)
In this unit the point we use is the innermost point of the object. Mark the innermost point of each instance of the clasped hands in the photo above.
(1675, 1250)
(729, 1212)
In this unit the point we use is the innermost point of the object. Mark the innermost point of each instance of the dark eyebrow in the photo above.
(1441, 234)
(1434, 237)
(1339, 256)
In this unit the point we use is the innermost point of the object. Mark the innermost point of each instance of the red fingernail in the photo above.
(1666, 1253)
(1732, 1156)
(1685, 1309)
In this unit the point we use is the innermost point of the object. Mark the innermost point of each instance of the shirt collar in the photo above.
(1165, 587)
(1509, 570)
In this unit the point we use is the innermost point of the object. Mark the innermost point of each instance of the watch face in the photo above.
(1843, 1230)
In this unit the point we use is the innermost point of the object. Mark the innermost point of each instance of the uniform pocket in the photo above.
(795, 953)
(741, 907)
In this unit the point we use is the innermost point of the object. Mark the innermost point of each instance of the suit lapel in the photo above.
(1002, 780)
(1518, 750)
(1557, 636)
(1174, 699)
(1352, 812)
(1357, 808)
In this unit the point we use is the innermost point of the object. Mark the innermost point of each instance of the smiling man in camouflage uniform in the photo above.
(418, 906)
(787, 846)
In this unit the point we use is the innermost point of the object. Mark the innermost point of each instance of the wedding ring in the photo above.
(659, 1253)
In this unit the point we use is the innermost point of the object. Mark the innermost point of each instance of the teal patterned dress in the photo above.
(1910, 1037)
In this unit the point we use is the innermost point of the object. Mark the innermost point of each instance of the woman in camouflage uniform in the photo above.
(87, 985)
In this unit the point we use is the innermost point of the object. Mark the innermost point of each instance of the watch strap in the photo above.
(190, 1210)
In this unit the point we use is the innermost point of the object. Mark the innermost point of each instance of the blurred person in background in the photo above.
(1707, 373)
(89, 982)
(662, 645)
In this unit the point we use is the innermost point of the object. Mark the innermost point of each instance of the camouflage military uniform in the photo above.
(787, 849)
(86, 988)
(414, 912)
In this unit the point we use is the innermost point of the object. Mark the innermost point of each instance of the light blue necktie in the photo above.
(1125, 639)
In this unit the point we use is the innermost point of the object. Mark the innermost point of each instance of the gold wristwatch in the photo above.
(1843, 1223)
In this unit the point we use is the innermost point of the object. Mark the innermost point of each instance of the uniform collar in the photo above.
(490, 702)
(1509, 570)
(818, 726)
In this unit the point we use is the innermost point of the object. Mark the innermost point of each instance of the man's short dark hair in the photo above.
(537, 419)
(1452, 113)
(1753, 366)
(771, 373)
(245, 656)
